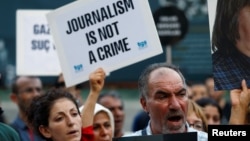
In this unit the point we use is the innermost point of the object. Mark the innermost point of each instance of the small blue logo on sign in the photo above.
(78, 68)
(142, 44)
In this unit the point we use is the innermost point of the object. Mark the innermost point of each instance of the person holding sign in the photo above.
(230, 44)
(240, 99)
(163, 95)
(56, 117)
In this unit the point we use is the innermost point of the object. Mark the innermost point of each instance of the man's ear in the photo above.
(13, 97)
(144, 104)
(45, 131)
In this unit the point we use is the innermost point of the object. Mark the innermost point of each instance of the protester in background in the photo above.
(231, 44)
(115, 104)
(198, 90)
(56, 116)
(212, 110)
(196, 117)
(219, 97)
(103, 124)
(74, 90)
(24, 89)
(163, 95)
(209, 83)
(225, 105)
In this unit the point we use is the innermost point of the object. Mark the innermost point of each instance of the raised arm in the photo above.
(240, 99)
(96, 80)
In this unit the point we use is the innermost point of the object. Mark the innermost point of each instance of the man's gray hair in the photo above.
(144, 77)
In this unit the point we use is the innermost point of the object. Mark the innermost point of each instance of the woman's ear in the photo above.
(45, 131)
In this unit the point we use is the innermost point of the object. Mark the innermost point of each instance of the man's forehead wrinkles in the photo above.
(168, 82)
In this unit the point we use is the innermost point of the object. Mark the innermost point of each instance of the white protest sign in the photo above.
(109, 33)
(36, 54)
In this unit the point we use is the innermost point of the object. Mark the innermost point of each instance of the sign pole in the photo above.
(169, 54)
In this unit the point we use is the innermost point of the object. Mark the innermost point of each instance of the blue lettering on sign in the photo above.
(78, 68)
(142, 44)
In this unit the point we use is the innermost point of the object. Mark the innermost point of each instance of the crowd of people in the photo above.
(169, 106)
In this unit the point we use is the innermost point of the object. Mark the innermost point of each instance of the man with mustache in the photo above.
(163, 95)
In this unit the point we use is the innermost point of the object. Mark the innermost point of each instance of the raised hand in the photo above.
(240, 99)
(96, 79)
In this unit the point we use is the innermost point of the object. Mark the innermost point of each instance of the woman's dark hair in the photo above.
(203, 102)
(39, 111)
(226, 25)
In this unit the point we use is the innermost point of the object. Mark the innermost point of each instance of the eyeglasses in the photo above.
(196, 125)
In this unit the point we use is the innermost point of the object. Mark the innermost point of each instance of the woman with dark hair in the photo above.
(231, 44)
(56, 117)
(212, 110)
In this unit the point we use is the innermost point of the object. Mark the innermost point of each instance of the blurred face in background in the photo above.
(27, 89)
(102, 127)
(198, 91)
(116, 107)
(212, 114)
(195, 122)
(209, 83)
(216, 95)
